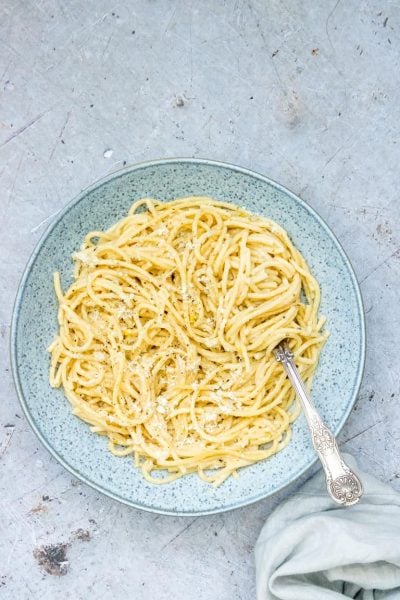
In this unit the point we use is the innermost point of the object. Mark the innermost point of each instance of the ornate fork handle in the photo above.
(342, 483)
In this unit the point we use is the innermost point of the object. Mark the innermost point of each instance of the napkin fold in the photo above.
(312, 549)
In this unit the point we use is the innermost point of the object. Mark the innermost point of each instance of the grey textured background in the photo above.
(304, 92)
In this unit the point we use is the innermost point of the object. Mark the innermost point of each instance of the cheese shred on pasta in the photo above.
(166, 337)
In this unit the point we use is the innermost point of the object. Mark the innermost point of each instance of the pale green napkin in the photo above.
(311, 549)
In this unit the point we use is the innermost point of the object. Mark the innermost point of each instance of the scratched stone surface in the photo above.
(305, 92)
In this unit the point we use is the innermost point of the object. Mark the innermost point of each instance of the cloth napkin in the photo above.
(312, 549)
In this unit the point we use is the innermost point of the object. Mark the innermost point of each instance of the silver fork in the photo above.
(342, 483)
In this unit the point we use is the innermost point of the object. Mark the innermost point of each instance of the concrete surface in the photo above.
(305, 92)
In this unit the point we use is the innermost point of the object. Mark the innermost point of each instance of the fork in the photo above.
(342, 483)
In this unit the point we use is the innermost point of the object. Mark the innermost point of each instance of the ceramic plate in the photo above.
(34, 324)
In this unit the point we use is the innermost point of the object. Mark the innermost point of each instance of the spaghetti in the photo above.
(166, 336)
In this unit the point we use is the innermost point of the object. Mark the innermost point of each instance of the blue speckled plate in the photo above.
(34, 324)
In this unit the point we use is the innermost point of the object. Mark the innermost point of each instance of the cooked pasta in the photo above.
(166, 336)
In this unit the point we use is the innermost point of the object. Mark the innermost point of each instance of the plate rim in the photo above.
(19, 297)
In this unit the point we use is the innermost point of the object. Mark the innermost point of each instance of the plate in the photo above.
(34, 325)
